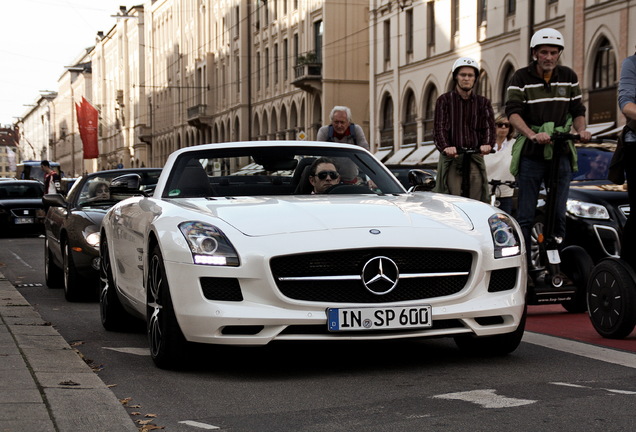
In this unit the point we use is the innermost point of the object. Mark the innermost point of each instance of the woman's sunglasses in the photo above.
(322, 175)
(503, 125)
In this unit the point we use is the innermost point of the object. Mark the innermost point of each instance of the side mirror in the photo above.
(421, 180)
(127, 184)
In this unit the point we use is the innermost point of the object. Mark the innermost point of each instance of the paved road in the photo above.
(551, 382)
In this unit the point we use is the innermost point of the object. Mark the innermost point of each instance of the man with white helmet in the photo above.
(463, 121)
(543, 98)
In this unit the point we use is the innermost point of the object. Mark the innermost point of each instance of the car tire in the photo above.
(111, 311)
(71, 277)
(52, 273)
(492, 346)
(534, 261)
(577, 265)
(167, 342)
(611, 298)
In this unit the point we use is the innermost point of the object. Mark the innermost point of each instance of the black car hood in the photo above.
(599, 192)
(94, 214)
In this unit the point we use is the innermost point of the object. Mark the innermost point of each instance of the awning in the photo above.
(610, 132)
(382, 153)
(420, 154)
(397, 157)
(597, 128)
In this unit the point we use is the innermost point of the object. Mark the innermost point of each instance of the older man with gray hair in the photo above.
(341, 129)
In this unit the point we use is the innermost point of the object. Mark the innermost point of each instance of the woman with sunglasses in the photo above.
(498, 163)
(323, 175)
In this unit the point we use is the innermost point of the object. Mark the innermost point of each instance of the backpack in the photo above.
(352, 131)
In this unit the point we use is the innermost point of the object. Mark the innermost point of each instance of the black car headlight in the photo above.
(209, 245)
(504, 236)
(92, 238)
(587, 210)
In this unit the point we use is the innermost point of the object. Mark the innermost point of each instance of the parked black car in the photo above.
(72, 225)
(21, 208)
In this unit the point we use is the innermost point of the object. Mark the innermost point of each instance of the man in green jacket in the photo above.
(543, 98)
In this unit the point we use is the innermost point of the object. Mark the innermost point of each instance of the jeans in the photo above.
(532, 173)
(628, 239)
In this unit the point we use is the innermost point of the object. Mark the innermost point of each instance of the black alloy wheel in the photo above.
(611, 298)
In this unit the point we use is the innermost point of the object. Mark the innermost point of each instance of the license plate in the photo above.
(24, 220)
(374, 318)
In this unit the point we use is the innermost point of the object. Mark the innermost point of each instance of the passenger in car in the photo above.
(323, 174)
(598, 169)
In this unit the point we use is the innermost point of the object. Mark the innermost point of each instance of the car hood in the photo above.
(93, 214)
(260, 216)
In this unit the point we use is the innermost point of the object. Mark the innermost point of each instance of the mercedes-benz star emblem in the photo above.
(380, 275)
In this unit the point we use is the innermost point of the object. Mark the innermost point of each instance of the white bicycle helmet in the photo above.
(465, 61)
(547, 36)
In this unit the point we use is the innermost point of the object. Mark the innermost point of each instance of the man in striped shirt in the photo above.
(543, 98)
(463, 121)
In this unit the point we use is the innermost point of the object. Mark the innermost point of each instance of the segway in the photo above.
(494, 188)
(561, 276)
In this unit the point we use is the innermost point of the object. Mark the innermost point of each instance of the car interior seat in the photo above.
(193, 182)
(301, 177)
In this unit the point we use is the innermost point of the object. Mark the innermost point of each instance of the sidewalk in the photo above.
(44, 384)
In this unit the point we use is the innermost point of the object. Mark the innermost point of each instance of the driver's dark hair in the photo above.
(45, 163)
(321, 160)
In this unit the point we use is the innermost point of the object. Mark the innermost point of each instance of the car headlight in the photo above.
(587, 210)
(504, 236)
(209, 245)
(92, 239)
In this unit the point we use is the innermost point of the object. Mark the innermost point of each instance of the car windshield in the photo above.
(593, 162)
(275, 170)
(96, 190)
(20, 191)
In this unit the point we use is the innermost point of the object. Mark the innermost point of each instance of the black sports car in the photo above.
(72, 225)
(21, 209)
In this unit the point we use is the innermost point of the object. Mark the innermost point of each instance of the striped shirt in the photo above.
(467, 123)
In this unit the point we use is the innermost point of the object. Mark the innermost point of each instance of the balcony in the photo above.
(198, 116)
(308, 77)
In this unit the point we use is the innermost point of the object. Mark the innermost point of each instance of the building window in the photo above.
(386, 128)
(285, 59)
(482, 12)
(409, 132)
(387, 40)
(511, 6)
(604, 66)
(258, 71)
(409, 31)
(483, 86)
(296, 48)
(430, 24)
(266, 60)
(429, 112)
(507, 76)
(275, 63)
(318, 30)
(455, 18)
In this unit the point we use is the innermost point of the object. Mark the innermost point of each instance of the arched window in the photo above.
(409, 131)
(429, 112)
(386, 128)
(604, 66)
(602, 94)
(505, 80)
(483, 86)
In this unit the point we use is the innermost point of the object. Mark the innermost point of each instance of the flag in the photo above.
(87, 123)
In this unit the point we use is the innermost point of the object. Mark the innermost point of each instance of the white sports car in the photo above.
(234, 247)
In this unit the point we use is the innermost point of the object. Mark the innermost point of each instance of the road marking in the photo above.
(199, 425)
(16, 256)
(625, 392)
(607, 355)
(486, 398)
(135, 351)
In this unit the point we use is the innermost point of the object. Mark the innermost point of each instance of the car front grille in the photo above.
(336, 276)
(222, 289)
(24, 212)
(502, 280)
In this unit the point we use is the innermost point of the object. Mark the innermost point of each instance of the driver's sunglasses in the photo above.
(322, 175)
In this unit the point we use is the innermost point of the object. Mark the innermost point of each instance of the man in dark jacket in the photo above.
(543, 98)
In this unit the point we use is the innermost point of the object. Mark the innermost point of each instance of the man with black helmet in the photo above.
(463, 121)
(543, 98)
